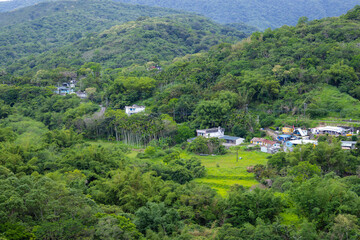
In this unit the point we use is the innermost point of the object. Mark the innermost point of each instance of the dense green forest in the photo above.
(49, 25)
(259, 13)
(136, 42)
(74, 168)
(56, 184)
(6, 6)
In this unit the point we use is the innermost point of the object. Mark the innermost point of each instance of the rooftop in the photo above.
(211, 130)
(285, 136)
(134, 106)
(303, 141)
(230, 138)
(329, 128)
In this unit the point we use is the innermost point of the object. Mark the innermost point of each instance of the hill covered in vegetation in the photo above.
(137, 42)
(6, 6)
(35, 29)
(258, 13)
(275, 72)
(58, 180)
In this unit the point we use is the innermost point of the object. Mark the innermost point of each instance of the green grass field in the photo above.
(224, 171)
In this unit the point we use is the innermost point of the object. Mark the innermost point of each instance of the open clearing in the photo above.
(224, 171)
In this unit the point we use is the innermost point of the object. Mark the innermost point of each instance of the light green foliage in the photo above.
(330, 102)
(304, 171)
(62, 138)
(345, 227)
(150, 151)
(230, 171)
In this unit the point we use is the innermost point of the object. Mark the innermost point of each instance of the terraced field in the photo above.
(225, 171)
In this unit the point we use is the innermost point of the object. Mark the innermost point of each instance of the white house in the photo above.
(130, 110)
(232, 141)
(211, 132)
(347, 145)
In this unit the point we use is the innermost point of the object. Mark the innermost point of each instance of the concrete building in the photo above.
(130, 110)
(329, 130)
(232, 141)
(211, 132)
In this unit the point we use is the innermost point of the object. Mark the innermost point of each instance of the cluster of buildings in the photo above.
(286, 141)
(69, 88)
(291, 137)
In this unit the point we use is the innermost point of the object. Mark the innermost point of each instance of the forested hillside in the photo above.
(11, 5)
(81, 168)
(48, 25)
(259, 13)
(276, 72)
(136, 42)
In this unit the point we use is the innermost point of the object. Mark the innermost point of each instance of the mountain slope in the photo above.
(259, 13)
(280, 71)
(136, 42)
(38, 28)
(14, 4)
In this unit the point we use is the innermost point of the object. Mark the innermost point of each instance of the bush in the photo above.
(203, 145)
(150, 151)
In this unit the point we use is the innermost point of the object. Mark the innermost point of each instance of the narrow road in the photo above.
(100, 113)
(271, 133)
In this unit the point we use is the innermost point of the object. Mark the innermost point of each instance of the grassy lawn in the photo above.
(224, 171)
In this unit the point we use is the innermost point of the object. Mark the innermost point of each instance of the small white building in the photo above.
(348, 145)
(211, 132)
(130, 110)
(232, 141)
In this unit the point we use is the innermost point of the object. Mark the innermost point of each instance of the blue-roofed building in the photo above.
(284, 137)
(64, 90)
(232, 141)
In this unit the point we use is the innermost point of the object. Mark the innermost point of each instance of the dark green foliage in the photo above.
(246, 207)
(157, 217)
(55, 183)
(36, 29)
(320, 200)
(201, 145)
(260, 13)
(115, 227)
(180, 170)
(136, 43)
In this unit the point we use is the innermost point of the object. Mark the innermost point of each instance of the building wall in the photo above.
(239, 141)
(135, 110)
(287, 130)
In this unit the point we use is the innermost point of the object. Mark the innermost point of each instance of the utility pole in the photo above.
(305, 109)
(237, 155)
